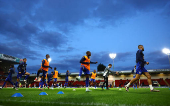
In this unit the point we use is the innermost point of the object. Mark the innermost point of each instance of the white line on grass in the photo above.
(62, 103)
(71, 103)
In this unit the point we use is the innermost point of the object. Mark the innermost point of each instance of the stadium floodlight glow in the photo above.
(166, 51)
(49, 59)
(112, 55)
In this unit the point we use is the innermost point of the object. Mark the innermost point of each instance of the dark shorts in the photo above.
(44, 73)
(55, 79)
(85, 70)
(93, 80)
(140, 69)
(49, 80)
(9, 78)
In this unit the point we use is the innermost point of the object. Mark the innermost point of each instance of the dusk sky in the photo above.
(66, 29)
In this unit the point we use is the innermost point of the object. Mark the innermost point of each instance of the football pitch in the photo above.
(97, 97)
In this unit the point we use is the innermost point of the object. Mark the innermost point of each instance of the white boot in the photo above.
(87, 89)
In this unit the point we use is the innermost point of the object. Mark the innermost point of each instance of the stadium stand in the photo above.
(168, 80)
(160, 81)
(6, 60)
(121, 83)
(79, 83)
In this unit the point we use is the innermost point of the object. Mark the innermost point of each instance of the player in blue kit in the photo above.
(66, 79)
(9, 78)
(134, 72)
(49, 76)
(43, 83)
(134, 75)
(22, 71)
(140, 69)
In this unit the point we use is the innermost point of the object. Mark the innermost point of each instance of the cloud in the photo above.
(122, 68)
(147, 5)
(157, 60)
(10, 29)
(51, 39)
(22, 20)
(33, 69)
(64, 11)
(111, 11)
(14, 23)
(69, 62)
(18, 50)
(166, 10)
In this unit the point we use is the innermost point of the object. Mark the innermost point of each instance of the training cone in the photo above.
(60, 92)
(17, 95)
(43, 93)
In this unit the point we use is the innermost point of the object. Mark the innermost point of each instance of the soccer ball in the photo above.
(74, 89)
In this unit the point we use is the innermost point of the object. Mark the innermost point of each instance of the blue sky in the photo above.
(66, 29)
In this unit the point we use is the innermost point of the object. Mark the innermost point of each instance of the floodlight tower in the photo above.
(112, 56)
(167, 51)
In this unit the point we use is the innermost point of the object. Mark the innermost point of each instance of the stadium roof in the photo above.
(6, 59)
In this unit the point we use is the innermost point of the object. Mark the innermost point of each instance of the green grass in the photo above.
(98, 97)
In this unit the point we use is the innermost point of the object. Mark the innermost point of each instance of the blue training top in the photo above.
(67, 74)
(50, 76)
(140, 58)
(11, 71)
(22, 67)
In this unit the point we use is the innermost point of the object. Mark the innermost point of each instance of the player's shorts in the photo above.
(44, 73)
(55, 79)
(19, 75)
(93, 80)
(66, 79)
(42, 80)
(140, 69)
(9, 78)
(85, 70)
